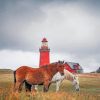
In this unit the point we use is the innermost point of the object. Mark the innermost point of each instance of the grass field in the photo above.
(89, 89)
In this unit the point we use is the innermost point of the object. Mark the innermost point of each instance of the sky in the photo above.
(72, 28)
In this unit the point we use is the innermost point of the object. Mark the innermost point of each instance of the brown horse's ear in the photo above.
(62, 62)
(59, 61)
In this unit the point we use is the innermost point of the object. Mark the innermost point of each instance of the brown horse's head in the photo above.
(60, 67)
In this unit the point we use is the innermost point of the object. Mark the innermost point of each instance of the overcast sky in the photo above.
(72, 28)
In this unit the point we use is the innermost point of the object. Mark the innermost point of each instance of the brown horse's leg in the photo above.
(18, 86)
(28, 87)
(46, 86)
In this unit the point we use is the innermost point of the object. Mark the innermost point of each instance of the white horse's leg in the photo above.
(58, 85)
(36, 87)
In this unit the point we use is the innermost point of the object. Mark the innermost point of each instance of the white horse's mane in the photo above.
(69, 75)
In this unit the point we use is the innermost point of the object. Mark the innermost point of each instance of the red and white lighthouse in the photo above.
(44, 53)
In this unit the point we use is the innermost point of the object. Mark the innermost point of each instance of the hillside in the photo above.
(6, 71)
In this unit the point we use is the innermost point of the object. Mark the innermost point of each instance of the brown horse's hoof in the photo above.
(34, 92)
(28, 94)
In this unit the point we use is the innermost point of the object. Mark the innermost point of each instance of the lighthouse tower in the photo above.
(44, 53)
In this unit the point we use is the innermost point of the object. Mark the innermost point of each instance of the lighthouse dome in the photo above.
(44, 40)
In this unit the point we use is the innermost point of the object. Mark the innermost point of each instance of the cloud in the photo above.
(27, 23)
(14, 59)
(71, 27)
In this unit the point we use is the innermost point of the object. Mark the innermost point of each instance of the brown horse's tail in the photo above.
(14, 81)
(14, 76)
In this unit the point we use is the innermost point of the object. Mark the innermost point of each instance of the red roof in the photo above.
(73, 65)
(44, 40)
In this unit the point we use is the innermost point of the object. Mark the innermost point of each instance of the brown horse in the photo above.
(36, 76)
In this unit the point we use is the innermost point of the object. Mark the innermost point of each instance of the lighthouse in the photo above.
(44, 53)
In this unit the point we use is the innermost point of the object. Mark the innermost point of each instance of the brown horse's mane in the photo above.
(50, 68)
(51, 64)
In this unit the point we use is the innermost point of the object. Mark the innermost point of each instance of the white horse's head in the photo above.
(73, 78)
(75, 82)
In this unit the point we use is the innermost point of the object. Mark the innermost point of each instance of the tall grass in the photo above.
(89, 90)
(47, 96)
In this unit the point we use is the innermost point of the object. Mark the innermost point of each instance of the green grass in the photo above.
(89, 90)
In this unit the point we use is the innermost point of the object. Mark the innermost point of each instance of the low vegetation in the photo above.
(89, 89)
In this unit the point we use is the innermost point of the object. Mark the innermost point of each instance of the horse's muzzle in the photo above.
(78, 89)
(62, 74)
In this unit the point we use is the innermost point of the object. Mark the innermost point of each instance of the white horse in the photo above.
(57, 78)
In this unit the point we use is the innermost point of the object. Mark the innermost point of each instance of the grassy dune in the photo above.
(90, 89)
